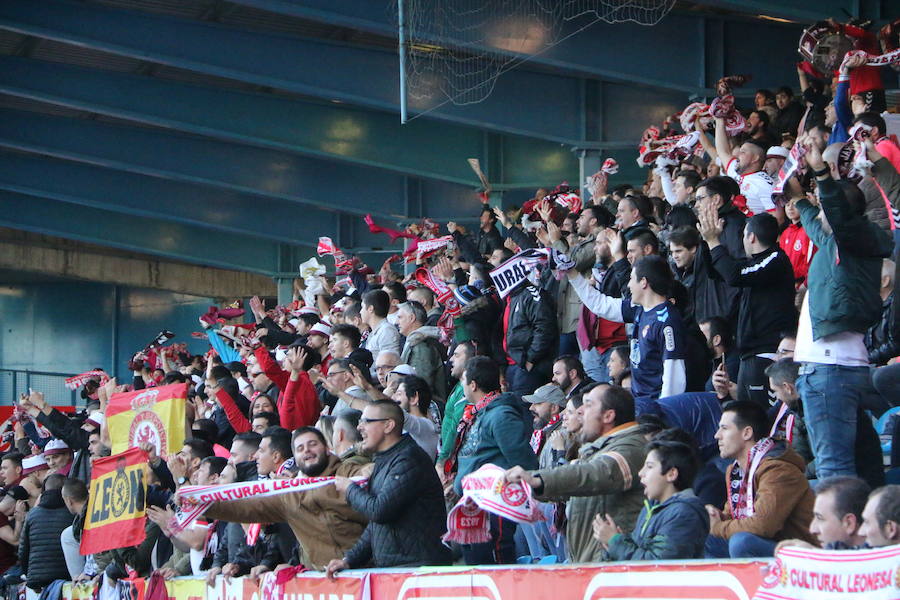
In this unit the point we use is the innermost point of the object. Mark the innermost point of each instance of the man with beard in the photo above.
(569, 375)
(323, 522)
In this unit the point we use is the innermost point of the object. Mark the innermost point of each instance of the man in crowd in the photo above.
(842, 303)
(768, 496)
(881, 517)
(383, 336)
(414, 397)
(422, 350)
(766, 281)
(40, 550)
(569, 375)
(496, 430)
(456, 402)
(837, 514)
(403, 499)
(325, 525)
(604, 480)
(658, 344)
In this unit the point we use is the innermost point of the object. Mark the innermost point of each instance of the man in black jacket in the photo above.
(766, 281)
(711, 295)
(530, 338)
(40, 550)
(403, 499)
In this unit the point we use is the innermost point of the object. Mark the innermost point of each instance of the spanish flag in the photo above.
(154, 415)
(115, 510)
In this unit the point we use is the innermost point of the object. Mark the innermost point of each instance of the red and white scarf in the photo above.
(196, 499)
(891, 58)
(76, 381)
(468, 419)
(740, 493)
(485, 491)
(537, 436)
(326, 246)
(783, 427)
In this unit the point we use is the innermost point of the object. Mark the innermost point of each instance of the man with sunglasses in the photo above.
(403, 498)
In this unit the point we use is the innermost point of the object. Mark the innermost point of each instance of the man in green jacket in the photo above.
(604, 480)
(456, 401)
(842, 303)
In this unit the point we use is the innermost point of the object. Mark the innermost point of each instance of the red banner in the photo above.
(115, 513)
(731, 580)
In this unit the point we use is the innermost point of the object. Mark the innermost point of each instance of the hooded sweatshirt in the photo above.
(500, 435)
(672, 530)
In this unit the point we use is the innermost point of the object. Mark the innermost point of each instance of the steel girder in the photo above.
(270, 174)
(421, 148)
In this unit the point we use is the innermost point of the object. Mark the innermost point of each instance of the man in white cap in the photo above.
(58, 456)
(775, 157)
(318, 339)
(35, 467)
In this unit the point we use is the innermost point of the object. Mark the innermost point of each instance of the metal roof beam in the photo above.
(421, 148)
(332, 71)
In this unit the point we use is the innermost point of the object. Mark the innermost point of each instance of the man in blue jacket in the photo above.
(673, 523)
(495, 429)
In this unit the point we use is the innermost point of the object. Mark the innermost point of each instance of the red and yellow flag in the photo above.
(115, 511)
(154, 415)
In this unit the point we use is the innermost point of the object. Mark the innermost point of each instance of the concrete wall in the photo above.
(71, 327)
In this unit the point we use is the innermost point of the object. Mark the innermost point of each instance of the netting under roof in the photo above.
(456, 49)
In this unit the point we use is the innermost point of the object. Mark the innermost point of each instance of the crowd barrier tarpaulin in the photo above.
(115, 511)
(802, 574)
(731, 580)
(153, 415)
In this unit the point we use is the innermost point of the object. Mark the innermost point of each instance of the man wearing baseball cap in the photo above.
(58, 456)
(775, 157)
(547, 402)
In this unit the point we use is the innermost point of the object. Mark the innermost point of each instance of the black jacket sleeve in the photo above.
(276, 335)
(65, 429)
(520, 237)
(467, 248)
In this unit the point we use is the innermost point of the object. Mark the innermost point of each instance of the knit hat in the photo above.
(55, 446)
(33, 463)
(465, 294)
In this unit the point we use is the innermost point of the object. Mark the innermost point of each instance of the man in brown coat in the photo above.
(323, 522)
(768, 496)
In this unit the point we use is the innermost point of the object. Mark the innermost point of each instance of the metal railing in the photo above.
(53, 385)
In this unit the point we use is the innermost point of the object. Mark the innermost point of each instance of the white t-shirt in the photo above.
(847, 348)
(755, 187)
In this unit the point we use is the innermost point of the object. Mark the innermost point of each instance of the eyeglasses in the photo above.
(365, 421)
(384, 367)
(333, 372)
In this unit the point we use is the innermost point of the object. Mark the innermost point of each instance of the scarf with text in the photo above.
(485, 491)
(196, 499)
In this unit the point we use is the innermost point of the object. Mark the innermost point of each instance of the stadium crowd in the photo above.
(687, 369)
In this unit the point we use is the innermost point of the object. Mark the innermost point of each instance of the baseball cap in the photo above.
(549, 392)
(777, 152)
